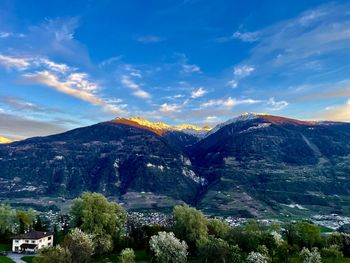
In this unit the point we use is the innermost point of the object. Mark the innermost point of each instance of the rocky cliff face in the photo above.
(250, 165)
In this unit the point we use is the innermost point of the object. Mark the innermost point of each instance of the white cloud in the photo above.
(243, 71)
(149, 39)
(62, 68)
(24, 63)
(169, 108)
(232, 83)
(321, 34)
(76, 85)
(17, 63)
(10, 34)
(187, 68)
(80, 81)
(227, 103)
(109, 61)
(198, 93)
(136, 88)
(246, 36)
(4, 34)
(277, 105)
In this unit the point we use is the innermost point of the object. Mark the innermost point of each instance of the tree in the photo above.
(7, 222)
(55, 254)
(332, 252)
(95, 215)
(25, 218)
(168, 249)
(262, 249)
(218, 228)
(38, 224)
(216, 250)
(342, 241)
(103, 244)
(190, 225)
(307, 256)
(309, 235)
(80, 246)
(256, 257)
(127, 255)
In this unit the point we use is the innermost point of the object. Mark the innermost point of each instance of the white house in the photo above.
(32, 241)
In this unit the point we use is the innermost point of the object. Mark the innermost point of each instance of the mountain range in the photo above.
(251, 165)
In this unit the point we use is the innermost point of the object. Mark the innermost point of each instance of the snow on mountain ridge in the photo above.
(161, 127)
(243, 117)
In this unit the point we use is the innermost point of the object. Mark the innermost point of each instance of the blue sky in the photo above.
(66, 64)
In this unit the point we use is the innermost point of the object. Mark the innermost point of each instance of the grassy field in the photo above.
(5, 260)
(28, 259)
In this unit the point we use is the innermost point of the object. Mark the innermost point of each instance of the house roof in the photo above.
(33, 235)
(30, 246)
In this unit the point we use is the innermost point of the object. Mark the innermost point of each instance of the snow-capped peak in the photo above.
(4, 140)
(243, 117)
(161, 127)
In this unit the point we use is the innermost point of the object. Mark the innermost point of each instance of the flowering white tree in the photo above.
(312, 256)
(256, 257)
(127, 255)
(168, 249)
(80, 245)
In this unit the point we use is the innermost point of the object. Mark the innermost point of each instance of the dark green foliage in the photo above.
(342, 241)
(216, 250)
(190, 225)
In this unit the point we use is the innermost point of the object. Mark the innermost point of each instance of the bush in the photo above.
(256, 257)
(168, 249)
(313, 256)
(55, 254)
(127, 255)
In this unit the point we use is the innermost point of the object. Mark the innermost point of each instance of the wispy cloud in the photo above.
(11, 34)
(320, 34)
(11, 62)
(198, 93)
(62, 68)
(169, 108)
(109, 61)
(336, 112)
(246, 36)
(243, 71)
(19, 104)
(277, 105)
(232, 83)
(188, 68)
(75, 85)
(19, 127)
(227, 103)
(135, 87)
(61, 77)
(150, 39)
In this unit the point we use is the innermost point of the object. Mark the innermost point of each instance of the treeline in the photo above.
(14, 221)
(99, 227)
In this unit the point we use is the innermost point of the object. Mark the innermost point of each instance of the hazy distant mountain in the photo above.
(254, 164)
